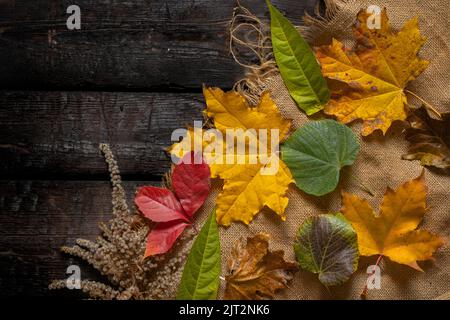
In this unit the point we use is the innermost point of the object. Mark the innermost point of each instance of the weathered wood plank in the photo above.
(37, 218)
(56, 134)
(123, 44)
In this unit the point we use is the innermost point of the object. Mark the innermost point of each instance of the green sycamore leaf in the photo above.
(297, 64)
(200, 280)
(327, 244)
(316, 152)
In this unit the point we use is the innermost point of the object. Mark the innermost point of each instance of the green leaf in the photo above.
(297, 64)
(327, 244)
(316, 152)
(200, 280)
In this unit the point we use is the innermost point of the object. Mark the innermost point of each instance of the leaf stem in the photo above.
(426, 104)
(195, 228)
(364, 292)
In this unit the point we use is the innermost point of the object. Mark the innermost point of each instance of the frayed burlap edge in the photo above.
(315, 30)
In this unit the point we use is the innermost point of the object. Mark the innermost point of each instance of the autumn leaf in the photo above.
(230, 110)
(246, 190)
(429, 139)
(297, 64)
(316, 152)
(369, 81)
(393, 233)
(200, 279)
(173, 211)
(326, 244)
(254, 272)
(191, 183)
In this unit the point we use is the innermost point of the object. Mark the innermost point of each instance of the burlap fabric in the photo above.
(378, 165)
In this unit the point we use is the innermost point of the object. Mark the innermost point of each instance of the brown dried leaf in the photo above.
(254, 272)
(429, 139)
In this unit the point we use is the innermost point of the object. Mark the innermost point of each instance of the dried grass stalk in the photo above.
(117, 253)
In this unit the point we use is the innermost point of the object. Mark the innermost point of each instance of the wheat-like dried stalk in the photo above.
(118, 253)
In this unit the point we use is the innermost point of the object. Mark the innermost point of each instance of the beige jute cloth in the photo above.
(379, 165)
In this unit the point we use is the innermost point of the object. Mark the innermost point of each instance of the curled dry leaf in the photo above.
(369, 81)
(393, 233)
(429, 139)
(326, 244)
(254, 272)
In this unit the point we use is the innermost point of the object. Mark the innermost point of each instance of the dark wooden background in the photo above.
(129, 77)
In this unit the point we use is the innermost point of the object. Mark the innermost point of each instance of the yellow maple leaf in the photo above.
(370, 80)
(230, 110)
(246, 190)
(393, 232)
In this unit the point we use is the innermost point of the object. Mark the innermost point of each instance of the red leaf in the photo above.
(173, 212)
(159, 205)
(163, 236)
(191, 182)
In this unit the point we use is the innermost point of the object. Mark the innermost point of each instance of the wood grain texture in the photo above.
(138, 67)
(56, 134)
(123, 44)
(37, 218)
